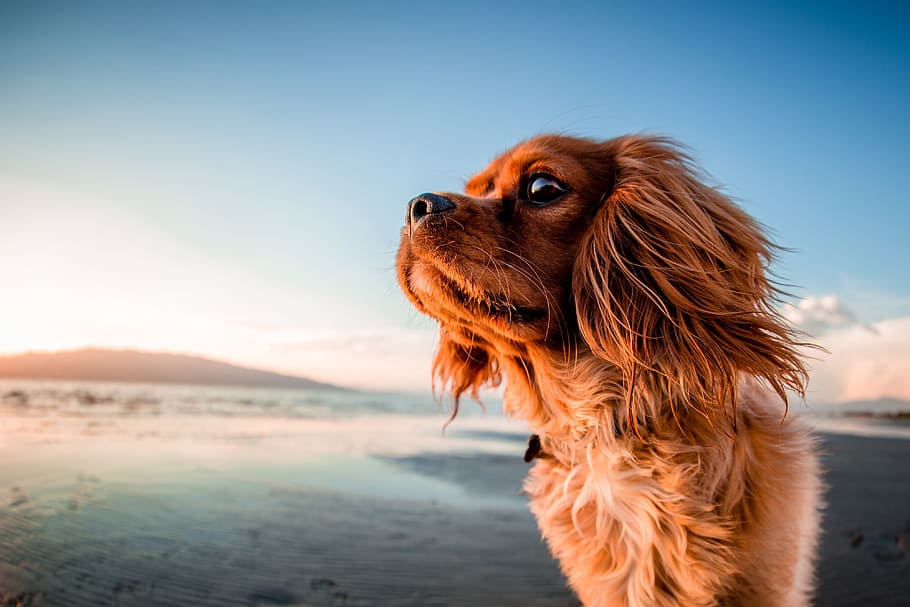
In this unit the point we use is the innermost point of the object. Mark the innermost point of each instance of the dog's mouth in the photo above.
(476, 303)
(496, 307)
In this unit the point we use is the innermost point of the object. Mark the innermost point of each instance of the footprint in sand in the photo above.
(17, 496)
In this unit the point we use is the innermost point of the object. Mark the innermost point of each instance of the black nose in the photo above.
(427, 204)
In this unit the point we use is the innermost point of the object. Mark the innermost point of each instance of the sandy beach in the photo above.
(145, 508)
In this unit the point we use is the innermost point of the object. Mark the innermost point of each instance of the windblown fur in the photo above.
(628, 310)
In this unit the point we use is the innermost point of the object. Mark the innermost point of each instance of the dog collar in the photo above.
(534, 449)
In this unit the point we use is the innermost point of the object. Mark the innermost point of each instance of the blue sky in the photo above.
(235, 174)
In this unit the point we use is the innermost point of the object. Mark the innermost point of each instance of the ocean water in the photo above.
(128, 399)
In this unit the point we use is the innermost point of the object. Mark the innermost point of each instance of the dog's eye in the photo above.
(543, 189)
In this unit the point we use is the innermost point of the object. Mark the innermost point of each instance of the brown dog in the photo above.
(627, 306)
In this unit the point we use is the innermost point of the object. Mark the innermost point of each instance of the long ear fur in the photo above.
(463, 366)
(670, 285)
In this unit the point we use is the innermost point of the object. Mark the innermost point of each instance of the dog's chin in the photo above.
(457, 302)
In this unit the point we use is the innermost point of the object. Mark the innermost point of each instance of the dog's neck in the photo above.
(558, 393)
(574, 400)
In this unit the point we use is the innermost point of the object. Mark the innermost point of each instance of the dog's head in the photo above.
(616, 248)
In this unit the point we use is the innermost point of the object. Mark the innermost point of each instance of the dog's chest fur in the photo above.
(625, 522)
(660, 523)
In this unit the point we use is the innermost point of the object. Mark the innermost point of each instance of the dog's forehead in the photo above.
(512, 164)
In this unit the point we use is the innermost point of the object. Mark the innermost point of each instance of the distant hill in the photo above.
(95, 364)
(882, 406)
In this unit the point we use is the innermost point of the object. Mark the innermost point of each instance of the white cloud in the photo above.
(863, 361)
(819, 315)
(862, 364)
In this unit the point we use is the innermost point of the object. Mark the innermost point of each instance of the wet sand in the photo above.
(369, 512)
(865, 551)
(286, 548)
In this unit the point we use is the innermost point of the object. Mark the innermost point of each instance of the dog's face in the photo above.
(495, 264)
(614, 249)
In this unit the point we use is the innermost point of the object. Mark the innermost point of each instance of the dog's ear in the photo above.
(670, 284)
(463, 366)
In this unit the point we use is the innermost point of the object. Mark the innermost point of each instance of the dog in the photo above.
(628, 307)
